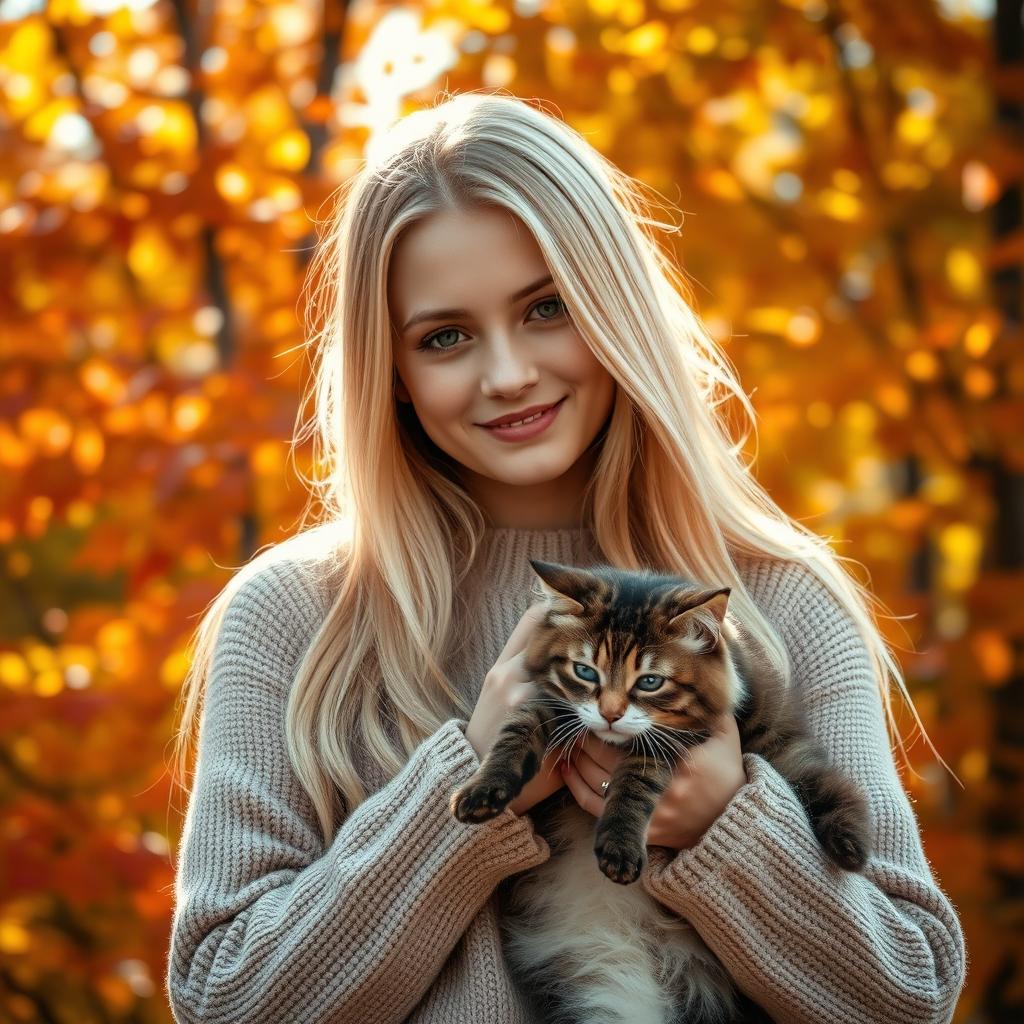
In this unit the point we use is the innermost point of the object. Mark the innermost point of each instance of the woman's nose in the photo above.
(508, 376)
(508, 368)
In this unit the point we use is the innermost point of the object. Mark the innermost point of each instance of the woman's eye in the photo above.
(428, 342)
(585, 671)
(648, 684)
(552, 300)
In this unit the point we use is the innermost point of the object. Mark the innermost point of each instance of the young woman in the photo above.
(486, 264)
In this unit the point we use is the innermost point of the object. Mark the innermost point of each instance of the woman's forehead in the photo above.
(454, 260)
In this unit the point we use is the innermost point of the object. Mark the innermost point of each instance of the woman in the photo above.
(488, 263)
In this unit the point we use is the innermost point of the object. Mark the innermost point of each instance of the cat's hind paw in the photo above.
(845, 848)
(843, 833)
(621, 862)
(842, 822)
(478, 802)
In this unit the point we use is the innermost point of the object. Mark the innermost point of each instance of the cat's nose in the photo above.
(611, 719)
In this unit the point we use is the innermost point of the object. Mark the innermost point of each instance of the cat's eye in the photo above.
(652, 684)
(582, 671)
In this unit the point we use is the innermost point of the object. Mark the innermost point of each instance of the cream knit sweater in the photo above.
(396, 918)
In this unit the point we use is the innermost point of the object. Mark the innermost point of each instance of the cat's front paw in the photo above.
(480, 801)
(621, 861)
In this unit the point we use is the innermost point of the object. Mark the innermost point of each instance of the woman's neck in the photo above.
(551, 505)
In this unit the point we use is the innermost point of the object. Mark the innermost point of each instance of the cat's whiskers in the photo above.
(560, 711)
(679, 746)
(563, 730)
(665, 745)
(698, 733)
(581, 732)
(640, 740)
(566, 715)
(563, 711)
(555, 740)
(571, 729)
(651, 737)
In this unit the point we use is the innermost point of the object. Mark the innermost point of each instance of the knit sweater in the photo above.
(396, 918)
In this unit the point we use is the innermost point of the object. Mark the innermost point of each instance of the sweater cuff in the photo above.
(762, 817)
(508, 842)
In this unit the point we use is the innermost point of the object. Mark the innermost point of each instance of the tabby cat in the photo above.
(660, 653)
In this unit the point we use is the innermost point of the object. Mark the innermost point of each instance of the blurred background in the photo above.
(851, 176)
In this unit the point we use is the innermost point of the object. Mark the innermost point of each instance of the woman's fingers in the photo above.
(519, 636)
(581, 790)
(602, 753)
(595, 763)
(590, 771)
(588, 776)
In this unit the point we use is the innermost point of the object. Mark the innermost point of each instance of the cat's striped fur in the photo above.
(584, 943)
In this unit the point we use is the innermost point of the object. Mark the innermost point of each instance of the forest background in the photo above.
(851, 176)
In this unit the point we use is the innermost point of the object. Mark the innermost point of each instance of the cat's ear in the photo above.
(562, 586)
(701, 623)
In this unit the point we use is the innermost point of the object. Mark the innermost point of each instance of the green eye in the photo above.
(581, 670)
(554, 301)
(655, 680)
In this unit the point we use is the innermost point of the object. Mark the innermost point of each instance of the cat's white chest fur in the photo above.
(610, 953)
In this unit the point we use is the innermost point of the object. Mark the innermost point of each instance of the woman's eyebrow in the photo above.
(444, 314)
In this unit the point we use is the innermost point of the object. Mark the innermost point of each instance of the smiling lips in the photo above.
(528, 427)
(517, 418)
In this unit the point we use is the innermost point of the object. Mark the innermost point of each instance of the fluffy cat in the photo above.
(662, 653)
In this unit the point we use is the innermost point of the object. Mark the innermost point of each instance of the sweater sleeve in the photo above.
(805, 940)
(271, 924)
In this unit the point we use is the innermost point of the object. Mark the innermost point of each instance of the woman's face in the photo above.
(479, 332)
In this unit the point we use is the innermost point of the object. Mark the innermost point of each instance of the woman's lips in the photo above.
(528, 430)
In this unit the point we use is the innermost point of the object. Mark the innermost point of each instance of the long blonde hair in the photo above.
(401, 527)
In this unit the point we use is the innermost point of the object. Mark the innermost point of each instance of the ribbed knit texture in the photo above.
(396, 919)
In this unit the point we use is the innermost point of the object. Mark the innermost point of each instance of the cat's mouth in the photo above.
(611, 736)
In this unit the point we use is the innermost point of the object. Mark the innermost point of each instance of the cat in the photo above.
(662, 653)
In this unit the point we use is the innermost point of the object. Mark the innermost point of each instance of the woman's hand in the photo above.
(505, 687)
(702, 785)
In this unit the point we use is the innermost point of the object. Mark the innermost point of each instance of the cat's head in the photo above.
(634, 649)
